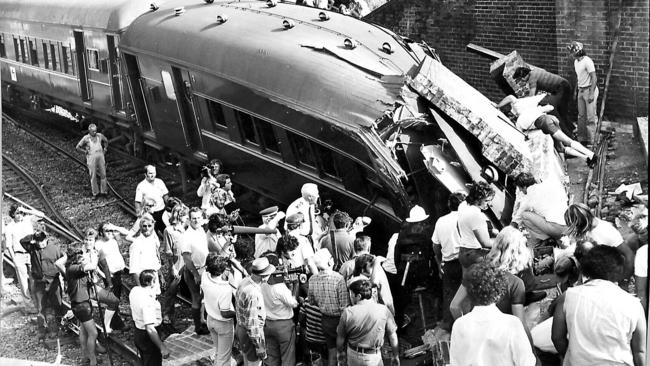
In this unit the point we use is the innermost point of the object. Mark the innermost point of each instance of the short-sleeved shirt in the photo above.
(145, 309)
(365, 324)
(583, 68)
(470, 218)
(14, 231)
(344, 245)
(195, 242)
(641, 262)
(277, 301)
(251, 312)
(447, 236)
(78, 281)
(154, 191)
(604, 233)
(42, 259)
(172, 238)
(266, 242)
(217, 296)
(298, 257)
(313, 320)
(143, 254)
(328, 290)
(110, 251)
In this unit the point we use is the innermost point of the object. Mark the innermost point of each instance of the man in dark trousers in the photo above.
(48, 260)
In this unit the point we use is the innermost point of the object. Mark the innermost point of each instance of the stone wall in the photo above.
(539, 30)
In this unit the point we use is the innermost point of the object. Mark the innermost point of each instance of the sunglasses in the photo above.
(146, 225)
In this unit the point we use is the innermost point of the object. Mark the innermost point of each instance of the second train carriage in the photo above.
(282, 94)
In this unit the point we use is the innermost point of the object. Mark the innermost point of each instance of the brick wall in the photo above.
(539, 30)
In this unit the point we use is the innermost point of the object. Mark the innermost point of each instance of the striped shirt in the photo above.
(314, 327)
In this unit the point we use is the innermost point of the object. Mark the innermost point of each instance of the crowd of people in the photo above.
(311, 288)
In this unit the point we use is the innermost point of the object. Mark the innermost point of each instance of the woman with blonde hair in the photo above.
(510, 253)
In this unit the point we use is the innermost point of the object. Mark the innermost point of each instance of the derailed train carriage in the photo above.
(283, 94)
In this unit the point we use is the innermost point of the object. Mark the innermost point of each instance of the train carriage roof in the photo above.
(109, 15)
(306, 67)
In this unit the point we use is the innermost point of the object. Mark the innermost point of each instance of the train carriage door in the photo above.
(185, 99)
(114, 72)
(80, 50)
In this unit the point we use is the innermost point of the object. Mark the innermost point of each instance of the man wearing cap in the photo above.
(306, 205)
(251, 312)
(413, 256)
(587, 82)
(94, 145)
(328, 291)
(361, 331)
(267, 242)
(304, 253)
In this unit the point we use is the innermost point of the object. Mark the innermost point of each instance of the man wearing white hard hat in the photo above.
(413, 257)
(251, 312)
(307, 205)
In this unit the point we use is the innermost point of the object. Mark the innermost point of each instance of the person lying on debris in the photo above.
(531, 115)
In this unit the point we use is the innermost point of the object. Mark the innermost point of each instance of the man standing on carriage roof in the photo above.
(94, 145)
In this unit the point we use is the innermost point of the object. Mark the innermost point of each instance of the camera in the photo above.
(288, 275)
(206, 171)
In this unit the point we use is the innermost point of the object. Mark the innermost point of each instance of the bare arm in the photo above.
(81, 145)
(507, 100)
(312, 266)
(437, 250)
(559, 329)
(518, 311)
(483, 237)
(592, 88)
(155, 338)
(456, 305)
(641, 284)
(638, 342)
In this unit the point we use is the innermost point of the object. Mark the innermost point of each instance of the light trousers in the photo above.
(223, 333)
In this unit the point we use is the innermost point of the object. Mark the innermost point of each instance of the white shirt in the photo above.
(266, 242)
(205, 191)
(447, 236)
(217, 296)
(547, 199)
(14, 231)
(109, 250)
(604, 233)
(143, 253)
(309, 213)
(145, 309)
(470, 218)
(389, 263)
(583, 68)
(600, 318)
(488, 337)
(154, 191)
(641, 262)
(298, 256)
(195, 242)
(528, 110)
(278, 301)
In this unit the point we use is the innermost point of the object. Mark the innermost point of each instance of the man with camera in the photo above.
(327, 290)
(299, 252)
(208, 181)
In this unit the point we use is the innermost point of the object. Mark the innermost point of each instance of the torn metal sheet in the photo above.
(441, 167)
(501, 143)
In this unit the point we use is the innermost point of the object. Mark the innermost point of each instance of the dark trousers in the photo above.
(467, 256)
(559, 99)
(451, 279)
(149, 353)
(159, 224)
(401, 296)
(280, 342)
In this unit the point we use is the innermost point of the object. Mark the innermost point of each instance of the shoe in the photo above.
(534, 296)
(202, 330)
(99, 348)
(591, 162)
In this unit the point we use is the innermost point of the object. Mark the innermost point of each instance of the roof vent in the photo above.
(288, 24)
(154, 6)
(222, 18)
(323, 16)
(271, 3)
(350, 43)
(386, 47)
(208, 1)
(180, 10)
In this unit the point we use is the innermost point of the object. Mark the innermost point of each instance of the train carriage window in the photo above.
(3, 51)
(46, 59)
(168, 84)
(302, 150)
(16, 49)
(23, 52)
(216, 115)
(33, 52)
(66, 62)
(54, 56)
(93, 59)
(269, 140)
(328, 162)
(247, 128)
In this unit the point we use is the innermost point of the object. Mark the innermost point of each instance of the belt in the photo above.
(363, 349)
(450, 261)
(584, 87)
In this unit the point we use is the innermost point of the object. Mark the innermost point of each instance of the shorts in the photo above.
(548, 124)
(330, 323)
(83, 311)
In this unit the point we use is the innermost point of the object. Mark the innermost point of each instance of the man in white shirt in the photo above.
(641, 275)
(143, 251)
(145, 310)
(307, 206)
(155, 189)
(486, 336)
(598, 323)
(540, 208)
(303, 254)
(21, 225)
(446, 244)
(194, 248)
(279, 327)
(267, 242)
(218, 294)
(587, 90)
